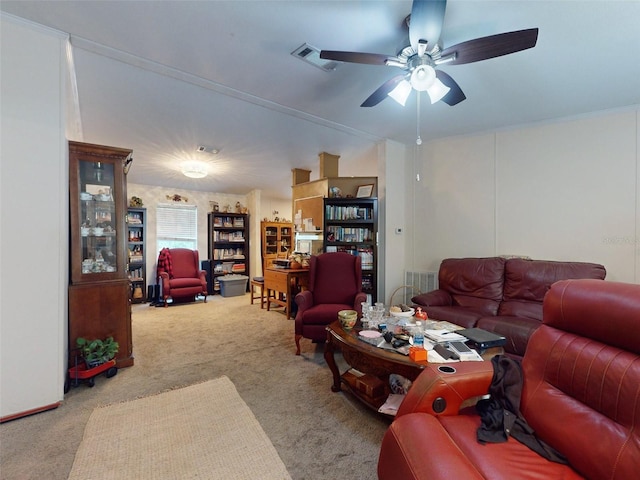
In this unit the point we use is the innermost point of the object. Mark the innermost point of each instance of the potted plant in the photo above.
(96, 352)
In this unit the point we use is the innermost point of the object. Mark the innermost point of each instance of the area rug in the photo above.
(201, 431)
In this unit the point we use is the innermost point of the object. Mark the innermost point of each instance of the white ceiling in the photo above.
(161, 77)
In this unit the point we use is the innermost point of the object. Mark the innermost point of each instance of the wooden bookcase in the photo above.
(228, 242)
(136, 240)
(351, 225)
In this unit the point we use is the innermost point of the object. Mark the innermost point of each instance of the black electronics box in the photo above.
(482, 339)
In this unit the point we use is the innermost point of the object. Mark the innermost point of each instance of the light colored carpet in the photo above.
(318, 434)
(201, 431)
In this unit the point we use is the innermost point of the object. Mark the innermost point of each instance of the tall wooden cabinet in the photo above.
(277, 241)
(99, 293)
(228, 235)
(351, 225)
(136, 240)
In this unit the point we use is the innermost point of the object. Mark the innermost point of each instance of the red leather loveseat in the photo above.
(580, 394)
(500, 295)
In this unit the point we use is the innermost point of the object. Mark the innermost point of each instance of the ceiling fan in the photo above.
(420, 59)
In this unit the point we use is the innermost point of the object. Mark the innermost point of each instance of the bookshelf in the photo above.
(228, 235)
(351, 225)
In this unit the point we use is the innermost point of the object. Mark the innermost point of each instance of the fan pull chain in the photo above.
(418, 139)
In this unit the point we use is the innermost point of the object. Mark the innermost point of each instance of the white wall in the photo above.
(394, 160)
(34, 242)
(259, 208)
(564, 190)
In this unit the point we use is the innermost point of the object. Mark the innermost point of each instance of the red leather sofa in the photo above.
(500, 295)
(581, 395)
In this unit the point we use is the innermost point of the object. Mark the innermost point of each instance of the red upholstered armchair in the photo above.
(180, 274)
(335, 283)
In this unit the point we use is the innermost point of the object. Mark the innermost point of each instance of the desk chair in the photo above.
(257, 290)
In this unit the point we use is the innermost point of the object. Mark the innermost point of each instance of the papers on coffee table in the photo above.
(442, 336)
(435, 357)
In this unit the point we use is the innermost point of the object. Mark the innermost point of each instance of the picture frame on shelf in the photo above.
(364, 191)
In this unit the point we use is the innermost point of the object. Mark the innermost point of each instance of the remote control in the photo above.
(460, 347)
(445, 353)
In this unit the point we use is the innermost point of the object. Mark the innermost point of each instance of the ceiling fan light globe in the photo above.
(437, 91)
(401, 93)
(423, 77)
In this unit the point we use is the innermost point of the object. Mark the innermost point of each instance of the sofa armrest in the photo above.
(440, 393)
(439, 298)
(304, 300)
(164, 278)
(357, 302)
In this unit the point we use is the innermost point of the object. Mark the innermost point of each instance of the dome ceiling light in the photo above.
(194, 169)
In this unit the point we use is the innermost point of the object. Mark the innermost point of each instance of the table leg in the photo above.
(288, 307)
(331, 361)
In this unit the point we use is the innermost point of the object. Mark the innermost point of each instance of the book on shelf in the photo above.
(348, 234)
(350, 212)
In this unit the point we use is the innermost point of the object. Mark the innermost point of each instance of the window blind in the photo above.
(177, 226)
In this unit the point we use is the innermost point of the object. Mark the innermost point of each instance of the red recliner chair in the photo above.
(180, 275)
(580, 395)
(335, 283)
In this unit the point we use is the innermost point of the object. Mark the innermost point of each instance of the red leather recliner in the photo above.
(180, 274)
(581, 395)
(335, 283)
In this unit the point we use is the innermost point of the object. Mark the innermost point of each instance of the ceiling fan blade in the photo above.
(355, 57)
(455, 94)
(491, 46)
(427, 17)
(382, 91)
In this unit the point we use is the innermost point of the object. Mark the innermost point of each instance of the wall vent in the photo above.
(422, 282)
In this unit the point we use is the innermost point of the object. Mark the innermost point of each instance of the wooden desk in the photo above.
(282, 284)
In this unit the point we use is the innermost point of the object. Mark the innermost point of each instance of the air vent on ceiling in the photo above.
(207, 149)
(312, 55)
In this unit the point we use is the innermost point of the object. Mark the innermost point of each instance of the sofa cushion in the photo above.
(527, 281)
(450, 443)
(178, 283)
(476, 283)
(335, 278)
(318, 315)
(465, 317)
(184, 262)
(517, 330)
(508, 460)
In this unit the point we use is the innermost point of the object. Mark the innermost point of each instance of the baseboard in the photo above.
(26, 413)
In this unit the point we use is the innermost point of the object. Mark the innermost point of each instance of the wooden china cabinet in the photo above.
(277, 241)
(99, 293)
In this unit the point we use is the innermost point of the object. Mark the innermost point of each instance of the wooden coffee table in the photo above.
(376, 363)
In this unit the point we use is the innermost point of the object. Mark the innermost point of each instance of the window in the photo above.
(177, 226)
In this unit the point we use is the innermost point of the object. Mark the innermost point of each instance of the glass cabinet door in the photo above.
(98, 231)
(97, 207)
